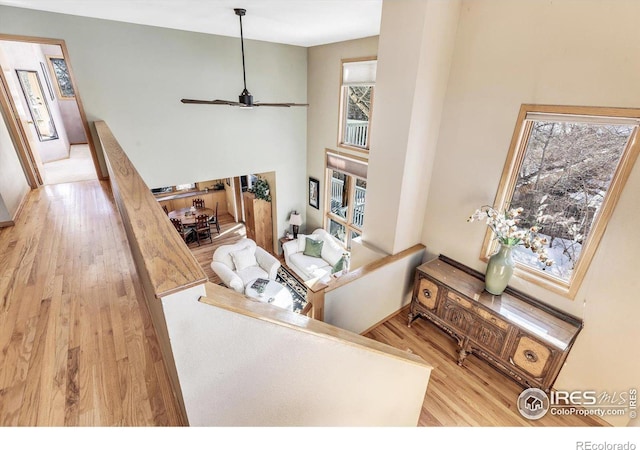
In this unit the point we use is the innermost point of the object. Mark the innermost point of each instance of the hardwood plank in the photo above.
(108, 367)
(72, 394)
(11, 405)
(58, 380)
(33, 389)
(173, 414)
(126, 382)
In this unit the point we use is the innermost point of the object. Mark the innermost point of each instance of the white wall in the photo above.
(324, 76)
(363, 253)
(415, 50)
(25, 56)
(133, 77)
(363, 303)
(567, 52)
(13, 183)
(237, 370)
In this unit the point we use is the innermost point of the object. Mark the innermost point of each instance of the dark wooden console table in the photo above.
(522, 337)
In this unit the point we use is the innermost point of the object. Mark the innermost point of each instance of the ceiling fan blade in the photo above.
(282, 105)
(209, 102)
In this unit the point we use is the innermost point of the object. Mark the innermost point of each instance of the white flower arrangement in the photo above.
(504, 224)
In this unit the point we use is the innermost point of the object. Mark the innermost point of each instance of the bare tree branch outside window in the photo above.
(562, 183)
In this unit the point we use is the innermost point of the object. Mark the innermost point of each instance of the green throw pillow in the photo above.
(313, 248)
(337, 267)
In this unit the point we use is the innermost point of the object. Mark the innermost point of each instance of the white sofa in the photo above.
(242, 262)
(308, 267)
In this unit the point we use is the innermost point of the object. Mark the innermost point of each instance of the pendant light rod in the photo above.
(245, 99)
(241, 12)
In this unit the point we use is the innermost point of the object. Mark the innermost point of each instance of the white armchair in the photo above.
(238, 264)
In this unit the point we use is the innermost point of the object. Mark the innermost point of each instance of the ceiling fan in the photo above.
(245, 99)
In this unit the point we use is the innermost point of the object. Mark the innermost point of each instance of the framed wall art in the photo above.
(314, 193)
(60, 71)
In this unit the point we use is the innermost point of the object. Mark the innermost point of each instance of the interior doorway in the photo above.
(41, 104)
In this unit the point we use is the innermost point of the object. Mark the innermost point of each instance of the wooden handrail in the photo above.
(230, 300)
(169, 265)
(316, 291)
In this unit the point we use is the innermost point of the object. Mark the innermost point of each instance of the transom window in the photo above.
(356, 104)
(566, 169)
(346, 194)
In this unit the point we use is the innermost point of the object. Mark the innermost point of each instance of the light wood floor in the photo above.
(474, 395)
(77, 346)
(230, 233)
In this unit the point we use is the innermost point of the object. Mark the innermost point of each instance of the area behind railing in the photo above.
(234, 361)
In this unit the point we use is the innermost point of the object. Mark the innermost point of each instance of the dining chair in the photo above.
(198, 203)
(185, 232)
(166, 210)
(213, 220)
(203, 229)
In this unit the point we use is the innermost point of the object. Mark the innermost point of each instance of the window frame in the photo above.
(347, 222)
(509, 178)
(343, 106)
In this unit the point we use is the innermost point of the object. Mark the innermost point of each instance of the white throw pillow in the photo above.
(244, 258)
(331, 251)
(302, 241)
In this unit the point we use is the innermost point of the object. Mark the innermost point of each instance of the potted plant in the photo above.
(261, 189)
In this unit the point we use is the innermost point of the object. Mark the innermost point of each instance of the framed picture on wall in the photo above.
(314, 193)
(60, 71)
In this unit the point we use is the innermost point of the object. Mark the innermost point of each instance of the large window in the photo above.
(356, 103)
(566, 168)
(346, 192)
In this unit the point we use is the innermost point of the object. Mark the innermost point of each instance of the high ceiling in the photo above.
(297, 22)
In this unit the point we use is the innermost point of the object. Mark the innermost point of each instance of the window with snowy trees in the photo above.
(566, 168)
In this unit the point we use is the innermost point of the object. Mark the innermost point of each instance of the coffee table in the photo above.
(274, 293)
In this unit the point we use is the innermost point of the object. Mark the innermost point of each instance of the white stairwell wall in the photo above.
(363, 303)
(241, 370)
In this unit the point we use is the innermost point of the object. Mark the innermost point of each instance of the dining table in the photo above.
(188, 215)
